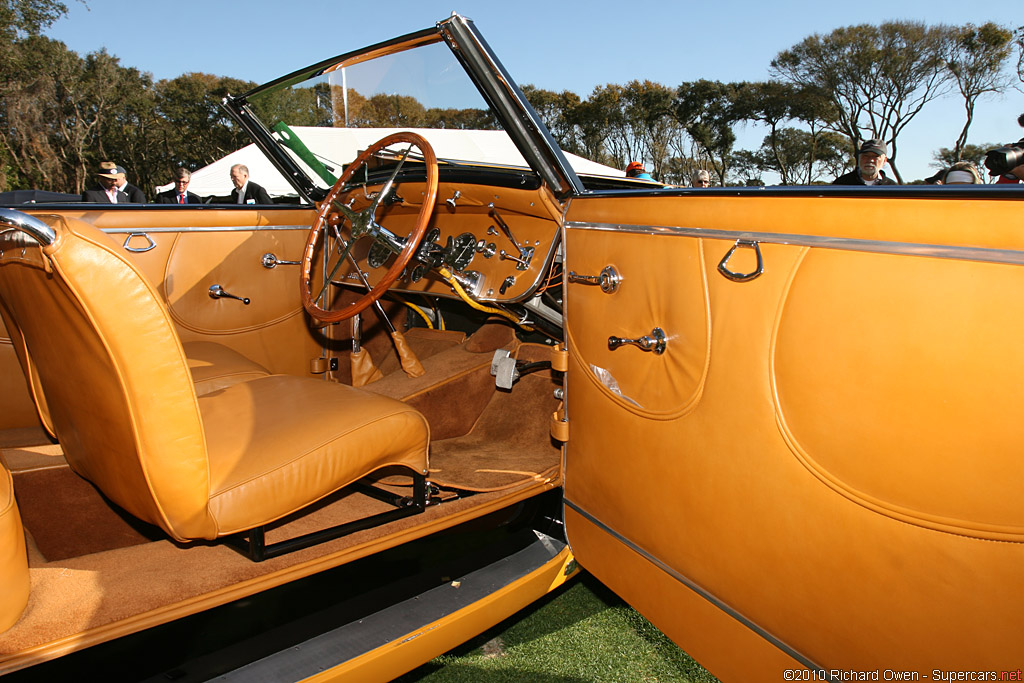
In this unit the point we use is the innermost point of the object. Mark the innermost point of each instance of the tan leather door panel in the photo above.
(16, 408)
(821, 468)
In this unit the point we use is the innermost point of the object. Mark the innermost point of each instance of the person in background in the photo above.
(179, 194)
(871, 157)
(700, 178)
(246, 192)
(962, 173)
(135, 195)
(636, 170)
(1014, 175)
(105, 190)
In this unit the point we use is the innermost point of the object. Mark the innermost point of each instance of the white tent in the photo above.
(342, 145)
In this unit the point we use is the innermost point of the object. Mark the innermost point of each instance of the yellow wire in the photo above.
(416, 308)
(419, 310)
(450, 279)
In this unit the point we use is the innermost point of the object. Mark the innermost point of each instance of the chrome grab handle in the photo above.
(609, 279)
(138, 250)
(270, 260)
(218, 292)
(742, 277)
(655, 341)
(30, 225)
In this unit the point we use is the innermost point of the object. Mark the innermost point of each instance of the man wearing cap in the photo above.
(106, 190)
(135, 195)
(636, 170)
(870, 159)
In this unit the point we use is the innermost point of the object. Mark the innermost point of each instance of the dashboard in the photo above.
(498, 242)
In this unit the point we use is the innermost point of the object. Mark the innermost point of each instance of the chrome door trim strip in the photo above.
(718, 603)
(205, 228)
(987, 254)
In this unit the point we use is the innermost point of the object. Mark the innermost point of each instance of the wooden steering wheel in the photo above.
(334, 219)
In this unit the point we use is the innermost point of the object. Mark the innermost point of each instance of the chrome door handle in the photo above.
(270, 260)
(138, 250)
(742, 277)
(218, 292)
(609, 279)
(655, 341)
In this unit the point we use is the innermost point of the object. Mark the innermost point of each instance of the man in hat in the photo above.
(135, 195)
(636, 170)
(870, 159)
(106, 191)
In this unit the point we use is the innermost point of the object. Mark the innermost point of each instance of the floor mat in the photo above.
(509, 445)
(67, 517)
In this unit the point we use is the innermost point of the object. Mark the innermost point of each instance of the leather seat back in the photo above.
(117, 383)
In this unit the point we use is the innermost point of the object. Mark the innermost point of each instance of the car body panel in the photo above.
(818, 448)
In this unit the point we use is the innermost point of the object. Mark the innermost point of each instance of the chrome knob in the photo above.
(655, 341)
(609, 279)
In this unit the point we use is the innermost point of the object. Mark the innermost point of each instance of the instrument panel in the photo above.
(497, 242)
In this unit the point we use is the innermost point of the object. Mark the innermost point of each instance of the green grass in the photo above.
(581, 633)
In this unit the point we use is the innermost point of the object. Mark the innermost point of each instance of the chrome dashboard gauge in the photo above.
(430, 252)
(417, 273)
(378, 255)
(459, 252)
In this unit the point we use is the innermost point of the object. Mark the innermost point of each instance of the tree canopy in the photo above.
(62, 113)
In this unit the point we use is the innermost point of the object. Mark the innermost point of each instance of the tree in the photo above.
(595, 121)
(878, 77)
(946, 157)
(707, 111)
(1018, 40)
(23, 18)
(555, 111)
(976, 58)
(648, 110)
(808, 157)
(194, 129)
(19, 19)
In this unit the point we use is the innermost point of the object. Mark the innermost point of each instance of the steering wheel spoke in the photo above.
(335, 218)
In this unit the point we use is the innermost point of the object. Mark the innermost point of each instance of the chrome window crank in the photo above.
(655, 341)
(218, 292)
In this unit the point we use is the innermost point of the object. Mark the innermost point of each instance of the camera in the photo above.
(1004, 159)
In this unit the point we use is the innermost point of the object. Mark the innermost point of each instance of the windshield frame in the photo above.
(505, 99)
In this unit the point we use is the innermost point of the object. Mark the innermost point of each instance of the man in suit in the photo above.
(246, 192)
(135, 195)
(179, 194)
(106, 190)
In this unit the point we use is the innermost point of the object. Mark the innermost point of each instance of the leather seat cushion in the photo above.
(215, 366)
(14, 580)
(335, 434)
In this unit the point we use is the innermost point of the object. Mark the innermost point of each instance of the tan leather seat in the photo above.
(250, 450)
(13, 561)
(215, 366)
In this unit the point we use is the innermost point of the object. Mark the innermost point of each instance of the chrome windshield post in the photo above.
(30, 225)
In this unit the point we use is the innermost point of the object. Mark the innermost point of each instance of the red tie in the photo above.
(181, 199)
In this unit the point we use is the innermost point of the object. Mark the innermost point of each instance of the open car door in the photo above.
(793, 439)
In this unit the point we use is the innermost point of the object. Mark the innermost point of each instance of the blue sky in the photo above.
(554, 45)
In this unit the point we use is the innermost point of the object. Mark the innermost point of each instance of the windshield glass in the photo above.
(325, 121)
